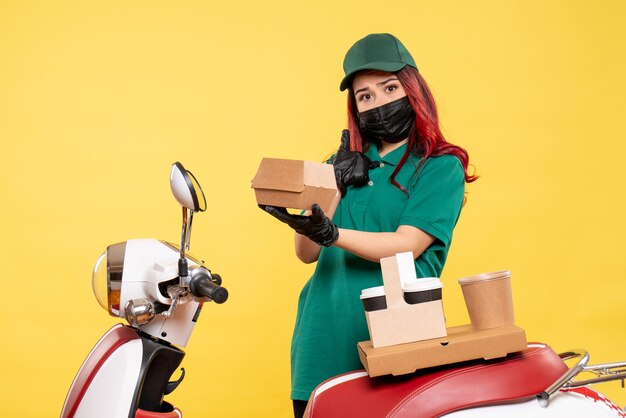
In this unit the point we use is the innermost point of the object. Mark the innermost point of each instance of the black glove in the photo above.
(317, 227)
(351, 167)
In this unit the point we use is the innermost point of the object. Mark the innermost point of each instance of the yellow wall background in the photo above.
(97, 99)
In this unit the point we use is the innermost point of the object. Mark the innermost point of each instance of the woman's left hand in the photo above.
(317, 227)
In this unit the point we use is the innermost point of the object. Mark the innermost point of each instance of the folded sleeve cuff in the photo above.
(427, 227)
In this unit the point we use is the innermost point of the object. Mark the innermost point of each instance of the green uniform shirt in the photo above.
(331, 320)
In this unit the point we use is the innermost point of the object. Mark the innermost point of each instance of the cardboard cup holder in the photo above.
(408, 309)
(406, 337)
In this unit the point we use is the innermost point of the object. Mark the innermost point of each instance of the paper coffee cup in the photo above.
(423, 290)
(374, 299)
(488, 299)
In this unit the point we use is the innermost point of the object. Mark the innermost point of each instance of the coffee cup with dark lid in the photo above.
(422, 290)
(373, 298)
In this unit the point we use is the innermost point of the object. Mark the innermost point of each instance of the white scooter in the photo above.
(160, 291)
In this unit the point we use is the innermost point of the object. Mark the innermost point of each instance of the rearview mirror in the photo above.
(189, 194)
(186, 189)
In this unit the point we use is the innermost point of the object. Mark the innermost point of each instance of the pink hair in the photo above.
(425, 139)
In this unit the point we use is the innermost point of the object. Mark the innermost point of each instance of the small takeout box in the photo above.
(294, 184)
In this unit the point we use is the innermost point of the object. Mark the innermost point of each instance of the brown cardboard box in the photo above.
(294, 184)
(402, 322)
(462, 344)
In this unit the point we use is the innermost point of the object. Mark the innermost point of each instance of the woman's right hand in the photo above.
(351, 167)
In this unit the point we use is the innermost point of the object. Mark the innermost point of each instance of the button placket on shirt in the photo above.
(376, 175)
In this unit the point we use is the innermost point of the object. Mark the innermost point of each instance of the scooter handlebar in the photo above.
(201, 285)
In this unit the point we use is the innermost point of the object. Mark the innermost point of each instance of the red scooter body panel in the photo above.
(438, 391)
(111, 341)
(148, 414)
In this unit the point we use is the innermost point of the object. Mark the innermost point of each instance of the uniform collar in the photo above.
(392, 158)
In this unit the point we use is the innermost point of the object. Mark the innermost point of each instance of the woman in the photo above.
(402, 190)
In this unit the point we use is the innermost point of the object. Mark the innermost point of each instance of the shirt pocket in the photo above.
(385, 210)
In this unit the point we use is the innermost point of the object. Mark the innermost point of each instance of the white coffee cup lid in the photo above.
(484, 277)
(419, 285)
(373, 292)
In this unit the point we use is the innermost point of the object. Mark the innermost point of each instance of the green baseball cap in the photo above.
(377, 51)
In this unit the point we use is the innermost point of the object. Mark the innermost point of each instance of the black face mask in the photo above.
(391, 122)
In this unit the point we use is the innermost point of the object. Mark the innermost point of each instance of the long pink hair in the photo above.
(425, 139)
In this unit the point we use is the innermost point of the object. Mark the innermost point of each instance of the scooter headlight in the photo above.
(139, 312)
(99, 280)
(107, 278)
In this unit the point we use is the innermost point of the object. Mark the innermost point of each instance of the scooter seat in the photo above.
(438, 391)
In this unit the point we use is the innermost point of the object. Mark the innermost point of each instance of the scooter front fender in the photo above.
(106, 382)
(123, 374)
